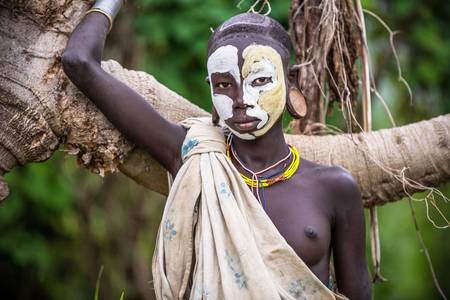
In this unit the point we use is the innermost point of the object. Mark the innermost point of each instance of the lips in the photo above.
(246, 124)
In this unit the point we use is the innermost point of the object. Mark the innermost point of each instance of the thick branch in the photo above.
(40, 110)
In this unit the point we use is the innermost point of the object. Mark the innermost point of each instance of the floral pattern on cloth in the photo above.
(169, 231)
(201, 294)
(224, 191)
(298, 290)
(188, 146)
(234, 265)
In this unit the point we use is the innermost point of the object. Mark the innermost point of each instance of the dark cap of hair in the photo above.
(250, 24)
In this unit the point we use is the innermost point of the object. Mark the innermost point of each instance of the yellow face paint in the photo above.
(267, 100)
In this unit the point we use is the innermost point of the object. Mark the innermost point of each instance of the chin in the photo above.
(243, 135)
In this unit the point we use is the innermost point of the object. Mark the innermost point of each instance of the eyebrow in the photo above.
(225, 74)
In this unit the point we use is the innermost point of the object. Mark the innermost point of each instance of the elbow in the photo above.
(75, 64)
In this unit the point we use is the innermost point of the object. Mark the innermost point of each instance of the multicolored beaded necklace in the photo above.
(259, 182)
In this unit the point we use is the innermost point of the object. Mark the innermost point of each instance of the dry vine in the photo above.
(263, 5)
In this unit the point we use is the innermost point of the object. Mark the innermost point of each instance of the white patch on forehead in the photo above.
(262, 68)
(223, 105)
(224, 60)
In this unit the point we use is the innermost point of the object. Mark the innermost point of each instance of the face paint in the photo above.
(223, 105)
(269, 99)
(261, 69)
(224, 60)
(266, 100)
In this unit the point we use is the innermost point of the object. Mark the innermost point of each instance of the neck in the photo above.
(263, 151)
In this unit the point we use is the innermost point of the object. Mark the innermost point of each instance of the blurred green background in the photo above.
(60, 223)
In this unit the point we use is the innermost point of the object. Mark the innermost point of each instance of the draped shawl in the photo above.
(215, 240)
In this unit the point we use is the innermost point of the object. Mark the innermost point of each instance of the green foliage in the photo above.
(60, 223)
(38, 224)
(423, 43)
(403, 262)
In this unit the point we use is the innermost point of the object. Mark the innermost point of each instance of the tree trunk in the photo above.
(41, 110)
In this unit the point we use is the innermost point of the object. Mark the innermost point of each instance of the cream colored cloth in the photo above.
(215, 241)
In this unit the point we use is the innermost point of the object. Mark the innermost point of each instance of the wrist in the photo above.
(109, 8)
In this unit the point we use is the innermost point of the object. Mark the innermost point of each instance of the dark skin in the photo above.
(318, 211)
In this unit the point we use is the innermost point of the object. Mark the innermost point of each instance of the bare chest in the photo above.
(298, 212)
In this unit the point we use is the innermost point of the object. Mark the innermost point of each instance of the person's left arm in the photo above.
(348, 239)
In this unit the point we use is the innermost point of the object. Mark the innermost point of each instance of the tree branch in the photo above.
(41, 110)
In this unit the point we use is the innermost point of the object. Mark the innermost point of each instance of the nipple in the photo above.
(310, 232)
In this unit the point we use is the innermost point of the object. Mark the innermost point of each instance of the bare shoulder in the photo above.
(337, 182)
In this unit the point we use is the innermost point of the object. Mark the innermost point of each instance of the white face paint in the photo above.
(224, 60)
(263, 68)
(267, 100)
(223, 105)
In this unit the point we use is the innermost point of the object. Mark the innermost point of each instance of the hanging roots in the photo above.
(327, 43)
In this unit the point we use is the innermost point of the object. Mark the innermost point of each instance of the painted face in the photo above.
(248, 98)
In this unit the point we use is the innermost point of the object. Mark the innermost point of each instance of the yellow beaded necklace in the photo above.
(258, 183)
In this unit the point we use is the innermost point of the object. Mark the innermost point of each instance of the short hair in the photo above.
(246, 25)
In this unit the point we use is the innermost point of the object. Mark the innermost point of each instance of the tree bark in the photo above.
(41, 110)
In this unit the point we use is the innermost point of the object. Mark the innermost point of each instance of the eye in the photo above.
(261, 81)
(223, 85)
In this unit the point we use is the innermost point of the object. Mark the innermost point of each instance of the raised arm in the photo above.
(348, 240)
(130, 113)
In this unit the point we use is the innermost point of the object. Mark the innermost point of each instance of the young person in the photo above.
(246, 217)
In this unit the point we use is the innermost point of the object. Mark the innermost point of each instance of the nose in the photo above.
(238, 101)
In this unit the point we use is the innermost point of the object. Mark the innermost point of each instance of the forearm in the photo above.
(130, 113)
(359, 287)
(85, 46)
(88, 39)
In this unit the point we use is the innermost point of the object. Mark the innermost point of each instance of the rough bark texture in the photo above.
(40, 110)
(327, 44)
(420, 150)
